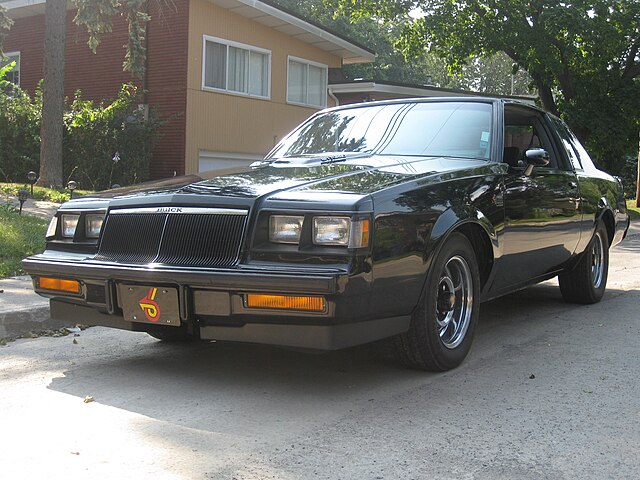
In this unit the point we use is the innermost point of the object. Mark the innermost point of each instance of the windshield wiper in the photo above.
(333, 159)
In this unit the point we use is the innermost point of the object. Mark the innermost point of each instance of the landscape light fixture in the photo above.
(32, 177)
(72, 185)
(22, 197)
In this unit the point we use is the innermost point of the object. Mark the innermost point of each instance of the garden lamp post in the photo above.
(22, 197)
(72, 185)
(32, 177)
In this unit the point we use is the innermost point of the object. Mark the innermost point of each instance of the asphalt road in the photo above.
(549, 391)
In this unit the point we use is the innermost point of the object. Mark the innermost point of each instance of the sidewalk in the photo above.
(21, 310)
(35, 208)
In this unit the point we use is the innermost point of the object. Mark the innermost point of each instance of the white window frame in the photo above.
(15, 54)
(308, 63)
(230, 43)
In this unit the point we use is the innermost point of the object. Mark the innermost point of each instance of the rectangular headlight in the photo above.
(285, 228)
(53, 225)
(331, 230)
(93, 224)
(69, 224)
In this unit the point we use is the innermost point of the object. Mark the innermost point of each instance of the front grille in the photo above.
(204, 238)
(131, 238)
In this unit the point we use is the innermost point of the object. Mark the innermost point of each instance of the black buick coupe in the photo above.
(371, 221)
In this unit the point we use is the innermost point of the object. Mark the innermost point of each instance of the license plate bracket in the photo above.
(149, 304)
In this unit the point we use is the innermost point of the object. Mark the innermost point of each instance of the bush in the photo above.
(107, 145)
(629, 175)
(19, 130)
(102, 145)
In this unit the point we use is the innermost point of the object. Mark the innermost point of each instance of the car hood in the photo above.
(296, 177)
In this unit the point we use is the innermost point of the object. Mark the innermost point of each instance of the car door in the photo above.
(542, 210)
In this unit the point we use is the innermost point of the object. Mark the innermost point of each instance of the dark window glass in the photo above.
(567, 140)
(419, 129)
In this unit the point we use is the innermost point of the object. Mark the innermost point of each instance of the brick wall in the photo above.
(167, 82)
(99, 76)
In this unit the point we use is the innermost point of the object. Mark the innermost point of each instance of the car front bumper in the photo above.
(212, 301)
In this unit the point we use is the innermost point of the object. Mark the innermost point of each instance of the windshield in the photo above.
(454, 129)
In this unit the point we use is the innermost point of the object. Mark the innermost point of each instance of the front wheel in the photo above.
(587, 281)
(442, 327)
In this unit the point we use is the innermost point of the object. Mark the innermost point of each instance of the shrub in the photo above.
(19, 130)
(102, 145)
(107, 145)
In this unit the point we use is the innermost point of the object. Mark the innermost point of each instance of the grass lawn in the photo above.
(634, 212)
(41, 193)
(20, 236)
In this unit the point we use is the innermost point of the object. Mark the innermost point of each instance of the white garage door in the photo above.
(210, 161)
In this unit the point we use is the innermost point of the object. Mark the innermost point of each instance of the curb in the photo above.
(18, 324)
(23, 311)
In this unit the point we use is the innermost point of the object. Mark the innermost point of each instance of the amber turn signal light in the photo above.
(59, 284)
(286, 302)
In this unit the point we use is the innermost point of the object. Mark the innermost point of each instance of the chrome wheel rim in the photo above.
(597, 261)
(454, 302)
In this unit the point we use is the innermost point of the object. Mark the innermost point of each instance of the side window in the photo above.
(524, 129)
(567, 140)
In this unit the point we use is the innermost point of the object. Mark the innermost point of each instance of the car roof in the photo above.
(465, 99)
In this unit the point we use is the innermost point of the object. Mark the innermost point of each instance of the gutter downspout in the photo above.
(333, 97)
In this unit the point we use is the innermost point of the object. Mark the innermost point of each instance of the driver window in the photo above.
(522, 131)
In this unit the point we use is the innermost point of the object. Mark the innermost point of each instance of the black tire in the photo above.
(586, 282)
(431, 343)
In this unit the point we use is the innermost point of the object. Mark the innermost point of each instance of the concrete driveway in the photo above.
(549, 391)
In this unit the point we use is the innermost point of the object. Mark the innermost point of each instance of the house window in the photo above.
(14, 75)
(307, 83)
(236, 68)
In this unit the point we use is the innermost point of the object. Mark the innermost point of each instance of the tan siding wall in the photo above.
(231, 123)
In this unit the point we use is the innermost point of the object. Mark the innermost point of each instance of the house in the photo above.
(229, 77)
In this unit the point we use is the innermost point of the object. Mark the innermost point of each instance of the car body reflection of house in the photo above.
(229, 77)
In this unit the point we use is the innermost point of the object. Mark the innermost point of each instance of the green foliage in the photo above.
(19, 129)
(41, 193)
(634, 212)
(583, 56)
(490, 75)
(107, 145)
(93, 135)
(5, 24)
(20, 236)
(97, 15)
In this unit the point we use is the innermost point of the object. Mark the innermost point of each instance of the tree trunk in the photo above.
(53, 94)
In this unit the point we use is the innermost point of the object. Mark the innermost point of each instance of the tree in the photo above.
(582, 55)
(491, 75)
(96, 15)
(51, 129)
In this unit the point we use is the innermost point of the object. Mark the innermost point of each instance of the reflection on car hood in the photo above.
(359, 175)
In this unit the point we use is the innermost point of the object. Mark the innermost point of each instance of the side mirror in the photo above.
(535, 157)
